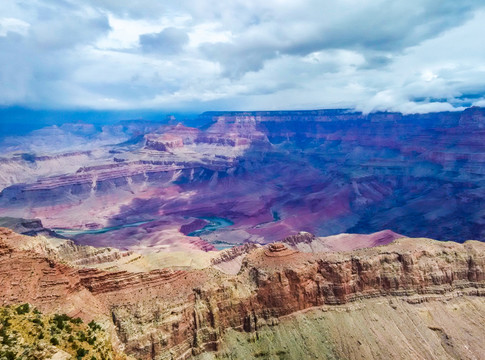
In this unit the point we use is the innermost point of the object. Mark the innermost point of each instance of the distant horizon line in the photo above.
(141, 111)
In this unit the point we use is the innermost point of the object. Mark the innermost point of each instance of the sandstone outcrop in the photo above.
(373, 329)
(278, 250)
(181, 313)
(230, 261)
(307, 242)
(164, 142)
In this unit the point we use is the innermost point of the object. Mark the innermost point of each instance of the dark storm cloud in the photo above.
(168, 41)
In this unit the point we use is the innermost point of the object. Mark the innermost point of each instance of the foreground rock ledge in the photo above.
(166, 314)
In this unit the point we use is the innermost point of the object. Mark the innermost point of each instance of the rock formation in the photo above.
(271, 174)
(307, 242)
(230, 261)
(182, 313)
(278, 250)
(127, 230)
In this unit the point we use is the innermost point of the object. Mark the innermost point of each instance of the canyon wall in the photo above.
(269, 174)
(171, 313)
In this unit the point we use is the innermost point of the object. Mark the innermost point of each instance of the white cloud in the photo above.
(428, 75)
(208, 33)
(13, 25)
(125, 32)
(413, 56)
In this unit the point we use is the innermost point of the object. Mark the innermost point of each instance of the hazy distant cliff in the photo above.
(270, 174)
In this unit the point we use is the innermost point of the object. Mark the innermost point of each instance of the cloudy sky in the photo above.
(197, 55)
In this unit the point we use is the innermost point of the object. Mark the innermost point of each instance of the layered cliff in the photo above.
(442, 328)
(269, 174)
(177, 314)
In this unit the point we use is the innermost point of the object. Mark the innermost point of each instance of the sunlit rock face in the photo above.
(257, 177)
(426, 293)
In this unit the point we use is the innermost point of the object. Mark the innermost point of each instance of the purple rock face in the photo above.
(262, 176)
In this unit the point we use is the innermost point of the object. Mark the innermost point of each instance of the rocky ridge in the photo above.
(307, 242)
(172, 313)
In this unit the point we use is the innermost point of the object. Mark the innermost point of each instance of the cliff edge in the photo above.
(170, 313)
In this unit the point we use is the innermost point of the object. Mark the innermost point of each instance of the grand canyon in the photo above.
(251, 177)
(275, 234)
(242, 180)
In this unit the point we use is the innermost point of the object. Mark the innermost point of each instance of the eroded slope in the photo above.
(169, 313)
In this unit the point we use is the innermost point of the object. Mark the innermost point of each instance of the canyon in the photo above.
(242, 180)
(253, 235)
(150, 187)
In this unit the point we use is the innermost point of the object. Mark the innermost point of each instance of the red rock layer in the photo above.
(185, 312)
(278, 250)
(26, 276)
